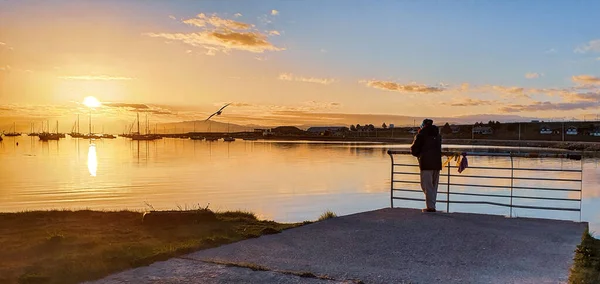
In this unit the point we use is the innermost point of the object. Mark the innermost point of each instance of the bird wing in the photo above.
(224, 107)
(210, 116)
(218, 112)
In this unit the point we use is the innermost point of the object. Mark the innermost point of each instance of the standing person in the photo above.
(427, 147)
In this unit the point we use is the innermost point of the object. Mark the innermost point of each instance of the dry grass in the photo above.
(74, 246)
(327, 215)
(586, 267)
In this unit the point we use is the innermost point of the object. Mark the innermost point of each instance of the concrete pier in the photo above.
(385, 246)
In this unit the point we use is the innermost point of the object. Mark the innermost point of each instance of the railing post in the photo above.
(512, 179)
(448, 191)
(581, 184)
(392, 181)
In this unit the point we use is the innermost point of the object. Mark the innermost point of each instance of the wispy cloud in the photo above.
(585, 79)
(405, 88)
(549, 106)
(172, 17)
(96, 78)
(593, 46)
(467, 102)
(218, 34)
(551, 51)
(2, 43)
(237, 15)
(126, 105)
(274, 32)
(292, 77)
(533, 75)
(274, 12)
(202, 20)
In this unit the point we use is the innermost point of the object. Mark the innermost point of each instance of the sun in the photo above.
(91, 102)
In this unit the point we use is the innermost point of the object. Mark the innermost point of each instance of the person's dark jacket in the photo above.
(427, 147)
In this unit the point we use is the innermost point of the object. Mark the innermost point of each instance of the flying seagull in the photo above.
(218, 112)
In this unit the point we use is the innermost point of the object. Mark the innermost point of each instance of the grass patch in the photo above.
(586, 267)
(75, 246)
(327, 215)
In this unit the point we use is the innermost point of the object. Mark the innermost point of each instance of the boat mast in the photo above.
(90, 123)
(78, 124)
(138, 123)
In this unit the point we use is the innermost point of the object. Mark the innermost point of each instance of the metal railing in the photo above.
(560, 184)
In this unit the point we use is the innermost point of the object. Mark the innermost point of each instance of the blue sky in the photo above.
(412, 58)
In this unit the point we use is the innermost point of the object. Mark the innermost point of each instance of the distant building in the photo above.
(595, 132)
(484, 130)
(326, 130)
(413, 131)
(455, 129)
(545, 130)
(391, 125)
(535, 121)
(571, 130)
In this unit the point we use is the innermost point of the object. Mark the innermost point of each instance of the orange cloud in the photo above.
(585, 79)
(292, 77)
(274, 12)
(202, 20)
(409, 88)
(222, 35)
(472, 102)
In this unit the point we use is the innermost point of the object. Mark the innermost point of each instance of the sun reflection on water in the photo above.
(92, 161)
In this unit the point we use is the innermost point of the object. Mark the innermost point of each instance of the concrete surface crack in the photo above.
(256, 267)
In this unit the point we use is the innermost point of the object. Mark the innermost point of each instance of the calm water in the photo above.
(284, 181)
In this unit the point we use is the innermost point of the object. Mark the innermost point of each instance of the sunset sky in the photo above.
(299, 62)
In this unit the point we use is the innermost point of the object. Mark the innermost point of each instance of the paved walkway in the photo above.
(386, 246)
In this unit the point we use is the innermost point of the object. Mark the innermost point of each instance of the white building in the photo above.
(545, 130)
(572, 130)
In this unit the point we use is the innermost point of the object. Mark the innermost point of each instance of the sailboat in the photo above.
(107, 136)
(31, 133)
(228, 138)
(73, 133)
(46, 136)
(147, 136)
(195, 136)
(14, 131)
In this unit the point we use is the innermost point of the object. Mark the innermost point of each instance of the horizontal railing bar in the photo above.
(508, 187)
(545, 198)
(515, 206)
(477, 185)
(408, 198)
(548, 179)
(407, 181)
(407, 190)
(548, 170)
(406, 173)
(506, 196)
(575, 156)
(545, 188)
(521, 169)
(405, 165)
(516, 178)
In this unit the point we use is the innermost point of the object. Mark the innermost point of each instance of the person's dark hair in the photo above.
(426, 122)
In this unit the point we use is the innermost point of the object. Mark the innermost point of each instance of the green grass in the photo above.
(74, 246)
(327, 215)
(586, 267)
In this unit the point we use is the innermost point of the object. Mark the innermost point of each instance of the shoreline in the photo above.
(564, 145)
